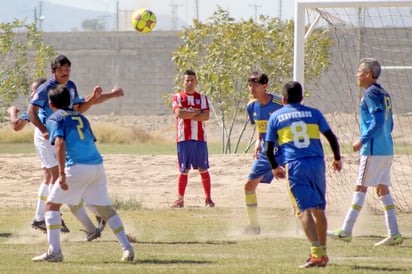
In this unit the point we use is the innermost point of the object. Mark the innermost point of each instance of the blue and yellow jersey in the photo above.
(296, 129)
(75, 129)
(259, 114)
(376, 122)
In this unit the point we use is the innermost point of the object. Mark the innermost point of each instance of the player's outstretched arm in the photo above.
(16, 123)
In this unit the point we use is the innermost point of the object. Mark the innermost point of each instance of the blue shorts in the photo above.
(192, 154)
(307, 183)
(261, 167)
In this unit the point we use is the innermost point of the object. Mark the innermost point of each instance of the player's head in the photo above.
(292, 92)
(257, 77)
(59, 97)
(37, 83)
(372, 65)
(189, 80)
(60, 68)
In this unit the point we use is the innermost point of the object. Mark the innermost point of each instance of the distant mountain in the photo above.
(61, 18)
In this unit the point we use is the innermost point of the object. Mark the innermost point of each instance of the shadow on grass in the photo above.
(5, 235)
(380, 269)
(172, 261)
(189, 242)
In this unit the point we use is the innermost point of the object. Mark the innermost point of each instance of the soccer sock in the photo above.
(390, 215)
(251, 208)
(42, 195)
(357, 202)
(79, 211)
(53, 223)
(181, 184)
(316, 250)
(205, 177)
(115, 223)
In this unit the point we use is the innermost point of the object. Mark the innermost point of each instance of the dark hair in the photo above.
(258, 77)
(59, 61)
(60, 96)
(39, 81)
(189, 72)
(292, 92)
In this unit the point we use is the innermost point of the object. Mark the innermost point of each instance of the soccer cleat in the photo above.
(252, 230)
(178, 204)
(64, 228)
(49, 257)
(315, 262)
(39, 225)
(128, 254)
(100, 223)
(209, 203)
(90, 236)
(391, 240)
(339, 234)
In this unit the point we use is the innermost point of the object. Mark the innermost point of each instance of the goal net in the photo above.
(378, 29)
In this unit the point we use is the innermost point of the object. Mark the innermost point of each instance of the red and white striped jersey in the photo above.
(187, 129)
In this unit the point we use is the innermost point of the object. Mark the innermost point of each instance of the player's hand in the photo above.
(279, 172)
(13, 110)
(337, 165)
(357, 146)
(62, 181)
(46, 135)
(117, 91)
(97, 92)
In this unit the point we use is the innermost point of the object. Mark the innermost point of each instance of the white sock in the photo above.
(79, 211)
(42, 195)
(115, 223)
(53, 223)
(390, 215)
(358, 199)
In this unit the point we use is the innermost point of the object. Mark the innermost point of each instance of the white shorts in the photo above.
(87, 182)
(374, 170)
(45, 150)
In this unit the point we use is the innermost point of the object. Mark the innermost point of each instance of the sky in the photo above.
(186, 9)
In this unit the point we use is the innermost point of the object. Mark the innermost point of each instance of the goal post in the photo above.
(370, 28)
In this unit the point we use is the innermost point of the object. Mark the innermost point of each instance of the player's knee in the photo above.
(106, 212)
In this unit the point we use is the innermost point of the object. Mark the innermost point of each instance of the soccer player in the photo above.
(376, 154)
(38, 112)
(81, 174)
(18, 122)
(296, 129)
(191, 110)
(259, 110)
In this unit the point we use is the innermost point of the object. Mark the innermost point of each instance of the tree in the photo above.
(224, 52)
(23, 58)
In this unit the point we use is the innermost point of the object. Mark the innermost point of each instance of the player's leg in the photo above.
(384, 195)
(200, 161)
(43, 193)
(261, 172)
(366, 177)
(252, 206)
(96, 195)
(183, 150)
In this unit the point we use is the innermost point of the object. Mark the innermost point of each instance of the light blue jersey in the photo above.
(24, 116)
(41, 98)
(376, 122)
(75, 129)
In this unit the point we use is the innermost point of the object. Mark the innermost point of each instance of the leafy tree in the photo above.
(224, 52)
(23, 58)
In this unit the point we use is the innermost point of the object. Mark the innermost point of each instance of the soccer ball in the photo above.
(143, 20)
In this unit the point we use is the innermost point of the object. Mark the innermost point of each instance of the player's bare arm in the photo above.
(15, 122)
(35, 120)
(60, 147)
(90, 100)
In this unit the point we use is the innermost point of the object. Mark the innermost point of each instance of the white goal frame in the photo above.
(299, 28)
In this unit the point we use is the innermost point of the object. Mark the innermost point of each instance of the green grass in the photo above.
(196, 240)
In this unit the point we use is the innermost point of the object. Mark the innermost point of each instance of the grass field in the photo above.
(196, 240)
